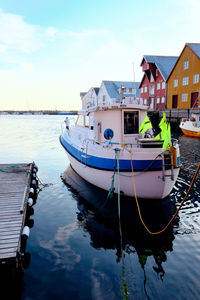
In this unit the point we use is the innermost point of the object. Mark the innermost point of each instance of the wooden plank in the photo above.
(2, 242)
(5, 223)
(8, 255)
(9, 236)
(14, 189)
(8, 230)
(8, 250)
(6, 246)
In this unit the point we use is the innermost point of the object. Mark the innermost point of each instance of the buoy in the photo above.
(32, 193)
(26, 232)
(30, 211)
(30, 201)
(33, 175)
(29, 223)
(35, 168)
(33, 183)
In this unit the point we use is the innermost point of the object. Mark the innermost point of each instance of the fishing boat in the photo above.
(191, 126)
(108, 148)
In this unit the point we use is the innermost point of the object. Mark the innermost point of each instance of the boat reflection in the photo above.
(99, 217)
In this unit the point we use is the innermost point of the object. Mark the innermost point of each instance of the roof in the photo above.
(96, 90)
(113, 87)
(195, 47)
(164, 63)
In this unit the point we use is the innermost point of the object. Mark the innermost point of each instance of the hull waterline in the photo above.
(149, 185)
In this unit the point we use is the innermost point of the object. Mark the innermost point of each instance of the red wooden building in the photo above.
(153, 85)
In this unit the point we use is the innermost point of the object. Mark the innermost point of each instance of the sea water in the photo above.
(75, 245)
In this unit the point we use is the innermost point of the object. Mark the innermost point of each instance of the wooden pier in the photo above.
(14, 192)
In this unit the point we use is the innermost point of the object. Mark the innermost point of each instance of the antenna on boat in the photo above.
(134, 87)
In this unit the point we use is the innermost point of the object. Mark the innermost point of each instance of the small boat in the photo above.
(191, 126)
(107, 149)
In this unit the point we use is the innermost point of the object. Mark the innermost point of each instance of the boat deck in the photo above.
(14, 191)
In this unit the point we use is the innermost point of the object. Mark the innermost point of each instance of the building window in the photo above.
(186, 64)
(158, 100)
(158, 86)
(196, 78)
(163, 85)
(151, 89)
(185, 80)
(163, 99)
(130, 90)
(145, 89)
(131, 122)
(175, 83)
(141, 90)
(104, 99)
(184, 97)
(145, 101)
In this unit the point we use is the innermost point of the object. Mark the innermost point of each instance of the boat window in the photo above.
(82, 121)
(131, 122)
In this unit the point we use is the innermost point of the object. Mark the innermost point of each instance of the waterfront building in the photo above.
(153, 89)
(183, 82)
(89, 98)
(111, 92)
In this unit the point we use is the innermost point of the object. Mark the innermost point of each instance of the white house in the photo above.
(89, 99)
(111, 92)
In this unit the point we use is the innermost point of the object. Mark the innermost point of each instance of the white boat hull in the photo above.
(149, 184)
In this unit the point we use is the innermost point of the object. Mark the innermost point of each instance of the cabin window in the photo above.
(82, 121)
(131, 122)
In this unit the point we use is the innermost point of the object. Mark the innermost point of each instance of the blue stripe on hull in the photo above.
(108, 163)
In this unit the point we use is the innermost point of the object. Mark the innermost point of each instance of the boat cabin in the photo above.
(116, 124)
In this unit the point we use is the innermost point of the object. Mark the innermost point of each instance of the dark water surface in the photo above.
(75, 247)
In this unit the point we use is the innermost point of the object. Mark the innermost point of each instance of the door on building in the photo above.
(174, 101)
(151, 102)
(194, 97)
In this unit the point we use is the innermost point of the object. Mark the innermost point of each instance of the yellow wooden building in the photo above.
(183, 83)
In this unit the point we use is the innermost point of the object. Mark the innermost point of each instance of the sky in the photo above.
(51, 50)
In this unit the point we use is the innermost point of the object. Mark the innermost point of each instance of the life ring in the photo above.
(108, 134)
(192, 119)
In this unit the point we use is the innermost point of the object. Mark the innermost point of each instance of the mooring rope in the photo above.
(138, 207)
(124, 287)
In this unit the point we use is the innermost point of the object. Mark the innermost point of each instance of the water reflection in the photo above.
(99, 217)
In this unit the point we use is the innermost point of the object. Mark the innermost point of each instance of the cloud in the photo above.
(18, 35)
(84, 34)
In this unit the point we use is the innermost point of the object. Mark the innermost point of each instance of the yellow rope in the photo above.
(138, 207)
